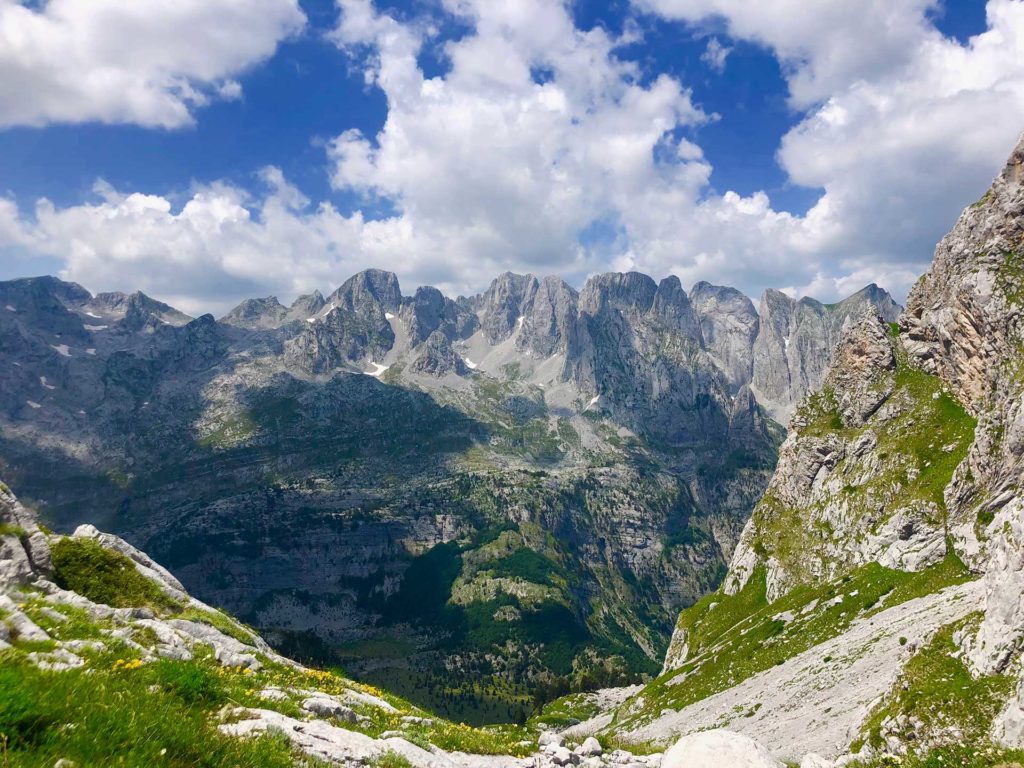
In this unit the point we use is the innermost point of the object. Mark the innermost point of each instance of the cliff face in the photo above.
(964, 324)
(904, 467)
(899, 407)
(861, 477)
(793, 347)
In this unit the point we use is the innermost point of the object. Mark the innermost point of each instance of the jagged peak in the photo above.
(375, 285)
(621, 290)
(1013, 171)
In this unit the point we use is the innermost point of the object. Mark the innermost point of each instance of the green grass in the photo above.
(918, 450)
(117, 719)
(732, 637)
(104, 576)
(9, 529)
(938, 691)
(526, 564)
(391, 760)
(566, 711)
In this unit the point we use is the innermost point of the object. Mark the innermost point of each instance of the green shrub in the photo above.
(391, 760)
(103, 576)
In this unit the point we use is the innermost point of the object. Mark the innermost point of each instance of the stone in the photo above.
(590, 747)
(328, 706)
(718, 748)
(547, 738)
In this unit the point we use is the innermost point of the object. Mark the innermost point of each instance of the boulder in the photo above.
(716, 749)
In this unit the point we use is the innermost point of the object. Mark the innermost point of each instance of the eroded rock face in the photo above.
(793, 347)
(437, 358)
(964, 323)
(24, 551)
(842, 493)
(729, 326)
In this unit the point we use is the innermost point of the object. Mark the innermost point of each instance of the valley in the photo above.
(480, 503)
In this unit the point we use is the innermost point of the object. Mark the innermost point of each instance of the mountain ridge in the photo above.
(316, 453)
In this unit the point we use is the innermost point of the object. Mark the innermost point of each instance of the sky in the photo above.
(205, 151)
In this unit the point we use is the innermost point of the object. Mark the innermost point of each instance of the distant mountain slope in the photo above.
(561, 470)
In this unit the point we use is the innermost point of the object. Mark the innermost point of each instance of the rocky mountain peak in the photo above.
(430, 310)
(265, 312)
(550, 318)
(672, 307)
(630, 292)
(729, 325)
(436, 357)
(503, 303)
(306, 306)
(368, 289)
(796, 338)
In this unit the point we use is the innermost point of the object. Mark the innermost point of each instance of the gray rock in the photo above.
(717, 748)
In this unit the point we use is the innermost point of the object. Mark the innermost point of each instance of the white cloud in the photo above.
(715, 54)
(493, 166)
(825, 46)
(541, 149)
(902, 126)
(118, 61)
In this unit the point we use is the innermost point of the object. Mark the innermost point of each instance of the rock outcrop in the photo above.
(716, 748)
(855, 482)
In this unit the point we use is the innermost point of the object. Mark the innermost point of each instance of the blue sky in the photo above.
(730, 187)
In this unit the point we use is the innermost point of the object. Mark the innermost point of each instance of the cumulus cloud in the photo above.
(536, 132)
(542, 148)
(113, 61)
(899, 125)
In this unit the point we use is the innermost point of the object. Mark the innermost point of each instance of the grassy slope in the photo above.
(919, 448)
(732, 637)
(118, 709)
(938, 694)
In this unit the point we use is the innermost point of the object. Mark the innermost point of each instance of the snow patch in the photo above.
(388, 316)
(469, 363)
(785, 342)
(96, 327)
(519, 322)
(90, 351)
(378, 369)
(310, 319)
(93, 314)
(32, 404)
(62, 349)
(42, 380)
(10, 308)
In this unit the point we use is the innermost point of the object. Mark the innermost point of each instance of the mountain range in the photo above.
(523, 486)
(870, 614)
